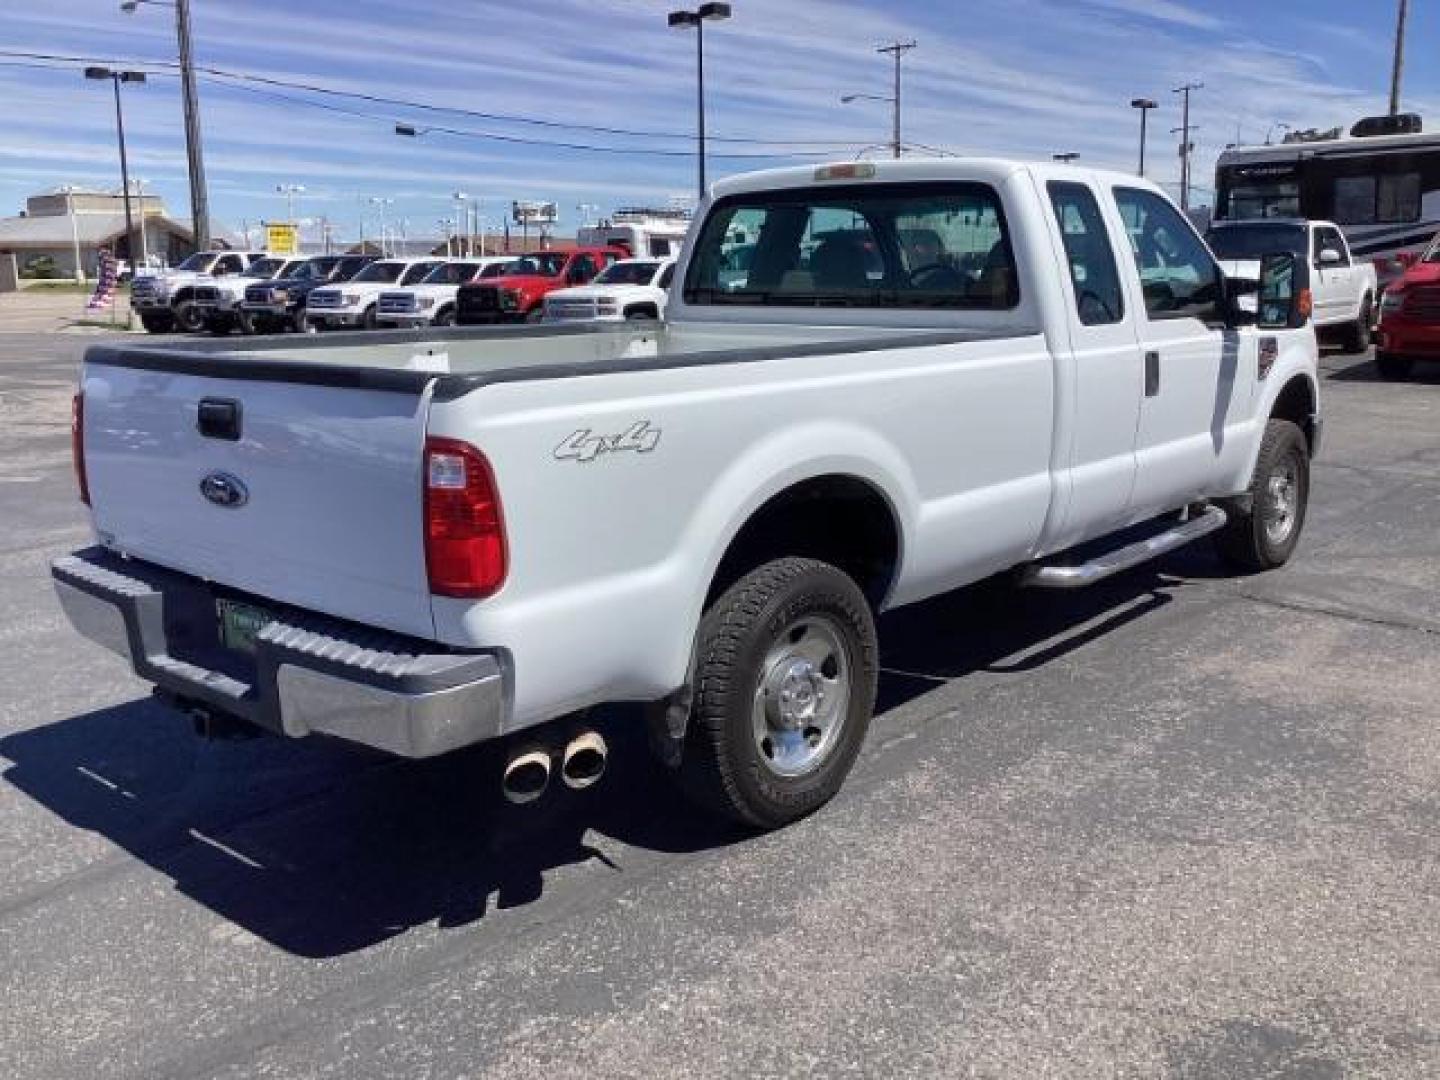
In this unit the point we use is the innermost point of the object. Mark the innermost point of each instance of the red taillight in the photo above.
(77, 444)
(464, 532)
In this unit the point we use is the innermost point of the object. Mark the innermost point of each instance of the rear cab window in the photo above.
(1094, 274)
(936, 246)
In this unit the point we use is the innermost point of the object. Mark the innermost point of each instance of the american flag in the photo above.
(104, 293)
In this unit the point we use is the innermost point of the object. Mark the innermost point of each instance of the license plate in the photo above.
(239, 624)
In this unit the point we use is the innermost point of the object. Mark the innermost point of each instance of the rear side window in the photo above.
(1180, 277)
(1094, 276)
(942, 245)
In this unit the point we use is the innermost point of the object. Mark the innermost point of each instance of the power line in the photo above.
(420, 106)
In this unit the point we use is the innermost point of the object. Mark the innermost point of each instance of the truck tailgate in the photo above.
(316, 503)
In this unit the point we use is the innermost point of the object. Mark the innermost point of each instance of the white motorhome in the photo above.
(644, 233)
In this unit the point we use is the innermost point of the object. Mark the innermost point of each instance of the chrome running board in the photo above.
(1050, 576)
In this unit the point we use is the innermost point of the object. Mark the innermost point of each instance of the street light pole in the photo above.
(683, 20)
(116, 78)
(1144, 105)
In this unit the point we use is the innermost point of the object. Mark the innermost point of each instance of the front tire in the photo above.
(156, 324)
(1263, 537)
(1393, 367)
(187, 317)
(783, 689)
(1357, 334)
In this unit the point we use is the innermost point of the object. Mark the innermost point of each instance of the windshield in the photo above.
(450, 274)
(1432, 253)
(381, 271)
(199, 261)
(498, 270)
(540, 264)
(627, 273)
(1255, 241)
(264, 267)
(933, 245)
(314, 268)
(348, 268)
(416, 273)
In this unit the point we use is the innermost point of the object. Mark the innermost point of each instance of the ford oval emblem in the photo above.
(225, 490)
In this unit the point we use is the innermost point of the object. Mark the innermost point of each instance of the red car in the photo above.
(1410, 316)
(519, 294)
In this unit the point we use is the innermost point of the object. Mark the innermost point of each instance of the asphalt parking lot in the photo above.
(1179, 825)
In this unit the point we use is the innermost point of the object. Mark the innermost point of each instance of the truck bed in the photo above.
(468, 357)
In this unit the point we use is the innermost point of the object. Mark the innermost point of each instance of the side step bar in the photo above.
(1041, 576)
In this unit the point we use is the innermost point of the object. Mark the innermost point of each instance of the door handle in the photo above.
(1152, 373)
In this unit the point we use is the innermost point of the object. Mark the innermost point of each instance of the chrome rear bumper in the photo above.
(309, 673)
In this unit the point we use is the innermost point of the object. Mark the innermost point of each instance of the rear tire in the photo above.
(445, 317)
(1393, 367)
(783, 689)
(248, 324)
(1263, 537)
(1357, 334)
(156, 323)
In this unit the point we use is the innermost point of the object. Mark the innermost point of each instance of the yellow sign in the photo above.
(282, 238)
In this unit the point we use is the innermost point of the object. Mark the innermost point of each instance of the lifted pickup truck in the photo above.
(1344, 290)
(166, 300)
(423, 540)
(519, 295)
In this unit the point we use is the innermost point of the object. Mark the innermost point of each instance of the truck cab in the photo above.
(519, 294)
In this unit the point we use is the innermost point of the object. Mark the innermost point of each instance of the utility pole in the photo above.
(1399, 67)
(199, 197)
(897, 49)
(1186, 146)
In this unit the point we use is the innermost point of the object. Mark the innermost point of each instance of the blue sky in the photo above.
(1022, 77)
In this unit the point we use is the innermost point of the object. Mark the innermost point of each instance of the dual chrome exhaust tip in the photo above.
(527, 772)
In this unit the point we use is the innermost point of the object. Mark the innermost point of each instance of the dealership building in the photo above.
(59, 227)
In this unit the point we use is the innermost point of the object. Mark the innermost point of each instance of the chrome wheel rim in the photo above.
(802, 696)
(1282, 502)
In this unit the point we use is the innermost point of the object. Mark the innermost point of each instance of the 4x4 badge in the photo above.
(583, 445)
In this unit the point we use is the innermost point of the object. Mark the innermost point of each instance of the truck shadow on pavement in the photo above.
(321, 849)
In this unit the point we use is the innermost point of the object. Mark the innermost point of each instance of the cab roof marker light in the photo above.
(860, 170)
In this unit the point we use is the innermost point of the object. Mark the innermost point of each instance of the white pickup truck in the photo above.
(1344, 289)
(165, 300)
(934, 371)
(431, 300)
(355, 303)
(628, 289)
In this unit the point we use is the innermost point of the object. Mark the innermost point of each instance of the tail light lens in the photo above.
(77, 444)
(465, 553)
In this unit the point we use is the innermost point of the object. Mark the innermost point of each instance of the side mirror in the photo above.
(1330, 257)
(1283, 299)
